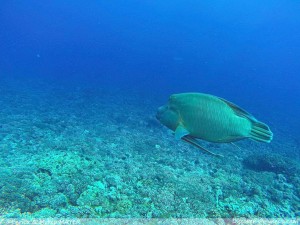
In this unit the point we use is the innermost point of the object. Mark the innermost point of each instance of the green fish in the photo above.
(195, 116)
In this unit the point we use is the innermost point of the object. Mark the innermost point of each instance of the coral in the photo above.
(45, 213)
(59, 200)
(124, 206)
(64, 160)
(273, 163)
(94, 195)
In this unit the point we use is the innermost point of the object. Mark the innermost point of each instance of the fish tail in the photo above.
(261, 132)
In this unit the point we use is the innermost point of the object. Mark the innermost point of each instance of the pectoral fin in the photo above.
(194, 142)
(180, 132)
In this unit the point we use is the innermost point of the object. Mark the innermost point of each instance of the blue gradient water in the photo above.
(245, 51)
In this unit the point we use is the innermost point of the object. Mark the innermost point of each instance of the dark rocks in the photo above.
(271, 163)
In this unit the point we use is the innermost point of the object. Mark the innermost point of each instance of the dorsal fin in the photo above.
(238, 110)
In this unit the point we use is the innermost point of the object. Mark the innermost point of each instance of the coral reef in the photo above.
(96, 154)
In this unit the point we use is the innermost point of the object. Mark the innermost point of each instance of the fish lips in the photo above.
(167, 116)
(161, 110)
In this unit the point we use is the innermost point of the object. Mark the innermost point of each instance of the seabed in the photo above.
(93, 153)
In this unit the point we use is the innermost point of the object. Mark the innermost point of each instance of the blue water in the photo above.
(103, 67)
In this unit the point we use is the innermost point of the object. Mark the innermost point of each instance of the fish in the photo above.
(193, 116)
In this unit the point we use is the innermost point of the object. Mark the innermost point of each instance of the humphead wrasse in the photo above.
(195, 116)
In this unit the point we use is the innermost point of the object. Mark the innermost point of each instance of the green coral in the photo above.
(44, 213)
(94, 195)
(61, 163)
(124, 206)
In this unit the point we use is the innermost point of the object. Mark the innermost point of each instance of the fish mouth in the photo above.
(158, 115)
(160, 111)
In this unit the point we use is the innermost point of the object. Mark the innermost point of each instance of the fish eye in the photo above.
(172, 97)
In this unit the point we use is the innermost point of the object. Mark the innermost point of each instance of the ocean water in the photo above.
(80, 84)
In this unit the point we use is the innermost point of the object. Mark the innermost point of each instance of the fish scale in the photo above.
(210, 118)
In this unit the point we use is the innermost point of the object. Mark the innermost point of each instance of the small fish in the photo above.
(195, 116)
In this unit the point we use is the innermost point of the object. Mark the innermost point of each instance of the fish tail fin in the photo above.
(261, 132)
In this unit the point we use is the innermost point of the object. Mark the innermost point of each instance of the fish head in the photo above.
(168, 116)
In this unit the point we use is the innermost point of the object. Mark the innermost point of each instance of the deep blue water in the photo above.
(245, 51)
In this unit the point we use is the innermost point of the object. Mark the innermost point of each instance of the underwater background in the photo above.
(80, 84)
